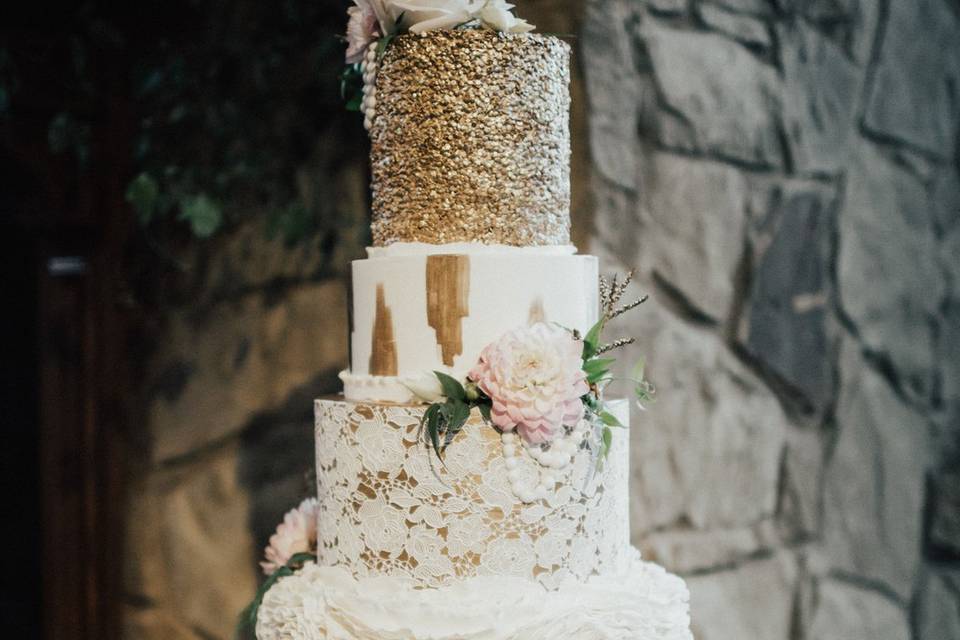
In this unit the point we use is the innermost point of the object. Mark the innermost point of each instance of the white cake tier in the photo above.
(640, 602)
(418, 308)
(387, 507)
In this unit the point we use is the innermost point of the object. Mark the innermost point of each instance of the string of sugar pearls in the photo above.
(558, 457)
(369, 69)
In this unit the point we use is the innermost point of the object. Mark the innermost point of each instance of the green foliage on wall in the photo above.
(231, 98)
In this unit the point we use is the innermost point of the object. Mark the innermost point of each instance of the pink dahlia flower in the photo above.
(535, 378)
(296, 534)
(362, 29)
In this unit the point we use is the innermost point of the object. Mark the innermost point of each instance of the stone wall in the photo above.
(241, 334)
(784, 176)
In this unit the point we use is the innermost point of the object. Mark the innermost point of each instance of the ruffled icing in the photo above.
(327, 603)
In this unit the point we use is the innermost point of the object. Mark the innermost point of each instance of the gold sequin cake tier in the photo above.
(471, 140)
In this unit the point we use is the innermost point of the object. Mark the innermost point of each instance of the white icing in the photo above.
(468, 248)
(387, 506)
(640, 602)
(504, 285)
(363, 387)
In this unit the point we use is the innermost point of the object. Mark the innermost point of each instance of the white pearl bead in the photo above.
(548, 480)
(535, 452)
(367, 123)
(528, 496)
(514, 475)
(511, 463)
(520, 492)
(371, 53)
(518, 488)
(509, 451)
(372, 100)
(507, 438)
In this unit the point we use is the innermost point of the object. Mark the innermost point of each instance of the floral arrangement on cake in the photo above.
(542, 384)
(293, 545)
(372, 24)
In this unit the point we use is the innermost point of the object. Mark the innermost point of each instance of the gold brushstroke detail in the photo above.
(383, 352)
(448, 290)
(537, 312)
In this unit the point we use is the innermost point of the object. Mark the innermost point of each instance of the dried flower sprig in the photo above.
(598, 369)
(616, 344)
(611, 293)
(622, 309)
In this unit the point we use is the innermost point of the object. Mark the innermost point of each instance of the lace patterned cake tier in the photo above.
(470, 139)
(388, 507)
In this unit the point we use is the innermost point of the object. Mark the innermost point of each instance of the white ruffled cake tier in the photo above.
(327, 603)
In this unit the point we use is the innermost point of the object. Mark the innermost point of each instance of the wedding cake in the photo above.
(472, 482)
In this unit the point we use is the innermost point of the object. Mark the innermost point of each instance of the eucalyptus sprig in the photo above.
(247, 624)
(442, 421)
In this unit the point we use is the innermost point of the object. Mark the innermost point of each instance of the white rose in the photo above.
(385, 11)
(425, 386)
(497, 15)
(429, 15)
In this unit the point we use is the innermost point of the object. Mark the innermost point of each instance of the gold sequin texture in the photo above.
(471, 139)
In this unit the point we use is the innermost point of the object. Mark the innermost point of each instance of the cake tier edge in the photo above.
(427, 309)
(642, 602)
(387, 506)
(470, 139)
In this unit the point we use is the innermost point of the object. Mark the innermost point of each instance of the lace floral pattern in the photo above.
(389, 508)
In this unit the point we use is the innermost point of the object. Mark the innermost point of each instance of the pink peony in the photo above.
(362, 29)
(296, 534)
(535, 378)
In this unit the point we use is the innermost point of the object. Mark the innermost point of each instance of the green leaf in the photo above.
(452, 388)
(485, 410)
(610, 420)
(354, 103)
(456, 421)
(597, 369)
(299, 559)
(589, 401)
(383, 43)
(606, 439)
(597, 377)
(143, 193)
(592, 339)
(598, 364)
(432, 420)
(642, 389)
(461, 414)
(202, 213)
(351, 86)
